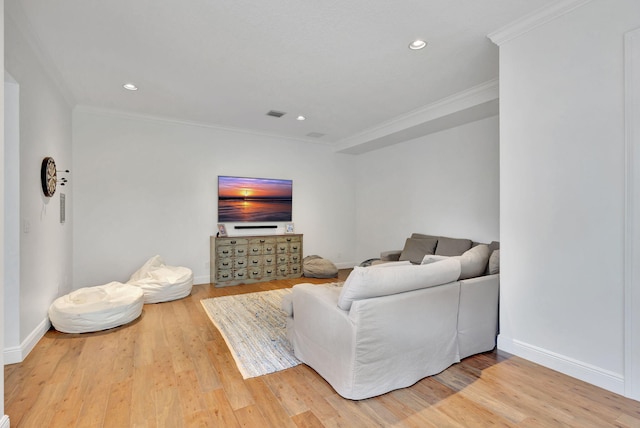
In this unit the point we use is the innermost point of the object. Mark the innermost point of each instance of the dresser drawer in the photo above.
(240, 274)
(240, 262)
(224, 275)
(262, 241)
(268, 272)
(295, 269)
(255, 261)
(225, 263)
(224, 251)
(232, 241)
(254, 272)
(288, 239)
(282, 270)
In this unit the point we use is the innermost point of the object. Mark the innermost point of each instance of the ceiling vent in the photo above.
(315, 134)
(275, 113)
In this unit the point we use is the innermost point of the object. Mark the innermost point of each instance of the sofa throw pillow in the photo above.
(432, 258)
(363, 283)
(452, 246)
(473, 262)
(415, 249)
(494, 262)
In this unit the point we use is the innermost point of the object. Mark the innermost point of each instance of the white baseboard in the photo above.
(346, 265)
(202, 279)
(17, 354)
(597, 376)
(4, 422)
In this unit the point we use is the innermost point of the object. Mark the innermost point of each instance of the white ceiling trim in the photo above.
(448, 112)
(534, 20)
(20, 20)
(99, 111)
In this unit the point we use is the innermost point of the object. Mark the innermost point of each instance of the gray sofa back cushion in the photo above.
(452, 246)
(415, 249)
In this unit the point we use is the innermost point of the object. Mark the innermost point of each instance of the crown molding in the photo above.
(121, 114)
(534, 20)
(439, 114)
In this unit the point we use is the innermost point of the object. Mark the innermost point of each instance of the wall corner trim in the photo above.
(534, 20)
(632, 214)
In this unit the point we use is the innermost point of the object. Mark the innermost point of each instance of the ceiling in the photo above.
(345, 64)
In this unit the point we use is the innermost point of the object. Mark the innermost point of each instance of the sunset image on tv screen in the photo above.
(243, 199)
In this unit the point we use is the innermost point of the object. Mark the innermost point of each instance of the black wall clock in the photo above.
(48, 176)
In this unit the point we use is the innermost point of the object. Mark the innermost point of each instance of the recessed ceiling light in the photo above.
(301, 118)
(417, 44)
(130, 87)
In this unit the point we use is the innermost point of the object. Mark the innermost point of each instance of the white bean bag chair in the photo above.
(162, 283)
(96, 308)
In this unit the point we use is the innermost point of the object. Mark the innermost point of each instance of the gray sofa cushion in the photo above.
(422, 236)
(494, 262)
(415, 249)
(452, 246)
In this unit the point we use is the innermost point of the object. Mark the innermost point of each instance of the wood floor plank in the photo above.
(118, 413)
(274, 413)
(307, 420)
(283, 389)
(168, 410)
(172, 368)
(220, 409)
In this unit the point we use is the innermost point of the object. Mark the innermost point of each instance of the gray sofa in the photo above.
(393, 324)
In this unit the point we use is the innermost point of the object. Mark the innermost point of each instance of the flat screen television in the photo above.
(244, 199)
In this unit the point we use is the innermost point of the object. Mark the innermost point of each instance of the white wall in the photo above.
(144, 187)
(4, 421)
(45, 130)
(562, 192)
(11, 217)
(443, 184)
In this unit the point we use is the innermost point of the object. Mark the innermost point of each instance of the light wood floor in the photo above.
(171, 368)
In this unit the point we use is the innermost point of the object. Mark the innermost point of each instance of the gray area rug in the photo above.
(254, 327)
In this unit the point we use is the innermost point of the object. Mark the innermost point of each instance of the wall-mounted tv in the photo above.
(243, 199)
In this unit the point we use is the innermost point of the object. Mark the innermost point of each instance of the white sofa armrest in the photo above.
(322, 335)
(478, 314)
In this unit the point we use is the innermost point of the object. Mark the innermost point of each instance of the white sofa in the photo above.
(398, 324)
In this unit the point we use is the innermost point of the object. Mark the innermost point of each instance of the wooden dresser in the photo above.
(249, 259)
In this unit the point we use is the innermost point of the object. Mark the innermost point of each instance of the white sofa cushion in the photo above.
(366, 282)
(473, 262)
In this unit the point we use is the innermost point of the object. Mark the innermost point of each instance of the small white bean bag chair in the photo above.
(162, 283)
(96, 308)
